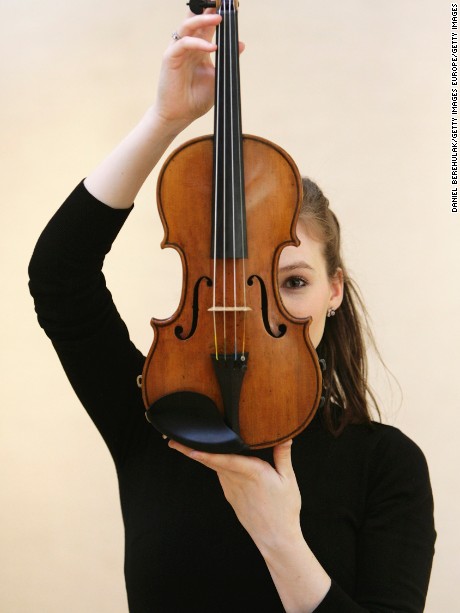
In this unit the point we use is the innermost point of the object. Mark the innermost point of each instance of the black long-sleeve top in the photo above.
(367, 508)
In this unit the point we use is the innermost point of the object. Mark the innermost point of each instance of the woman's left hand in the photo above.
(266, 500)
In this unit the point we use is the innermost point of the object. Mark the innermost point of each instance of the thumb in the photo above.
(282, 458)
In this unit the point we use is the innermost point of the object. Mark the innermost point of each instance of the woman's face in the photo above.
(305, 288)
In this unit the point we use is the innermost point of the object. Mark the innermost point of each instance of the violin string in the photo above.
(241, 186)
(232, 50)
(224, 191)
(216, 150)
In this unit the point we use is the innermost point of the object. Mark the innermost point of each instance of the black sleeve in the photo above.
(77, 312)
(396, 541)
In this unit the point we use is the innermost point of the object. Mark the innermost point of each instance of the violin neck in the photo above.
(229, 213)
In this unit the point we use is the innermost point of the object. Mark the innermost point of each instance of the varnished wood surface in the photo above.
(281, 388)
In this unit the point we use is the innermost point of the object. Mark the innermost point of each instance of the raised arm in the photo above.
(72, 302)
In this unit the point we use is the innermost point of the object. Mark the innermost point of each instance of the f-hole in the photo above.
(179, 330)
(263, 297)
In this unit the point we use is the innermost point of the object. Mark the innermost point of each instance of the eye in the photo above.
(294, 283)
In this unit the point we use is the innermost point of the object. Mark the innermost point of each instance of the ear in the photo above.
(336, 285)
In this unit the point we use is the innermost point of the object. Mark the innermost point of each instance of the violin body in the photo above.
(271, 382)
(231, 370)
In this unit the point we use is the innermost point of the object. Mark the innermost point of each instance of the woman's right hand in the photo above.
(185, 92)
(186, 85)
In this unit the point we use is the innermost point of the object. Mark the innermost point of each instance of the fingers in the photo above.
(282, 458)
(182, 47)
(194, 34)
(240, 464)
(192, 43)
(199, 25)
(220, 461)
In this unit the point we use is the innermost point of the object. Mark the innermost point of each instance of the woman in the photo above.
(363, 538)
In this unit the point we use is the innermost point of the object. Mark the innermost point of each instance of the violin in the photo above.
(231, 370)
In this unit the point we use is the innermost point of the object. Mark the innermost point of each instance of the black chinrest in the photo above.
(195, 421)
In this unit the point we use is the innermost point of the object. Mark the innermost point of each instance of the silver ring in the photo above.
(176, 36)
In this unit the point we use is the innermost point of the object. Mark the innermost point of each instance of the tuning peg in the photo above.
(198, 6)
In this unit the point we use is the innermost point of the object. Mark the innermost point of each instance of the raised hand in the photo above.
(186, 85)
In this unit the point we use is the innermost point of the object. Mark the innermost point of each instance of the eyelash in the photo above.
(303, 281)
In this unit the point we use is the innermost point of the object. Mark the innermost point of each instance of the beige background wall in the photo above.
(358, 92)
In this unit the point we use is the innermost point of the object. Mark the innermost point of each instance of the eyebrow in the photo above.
(296, 266)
